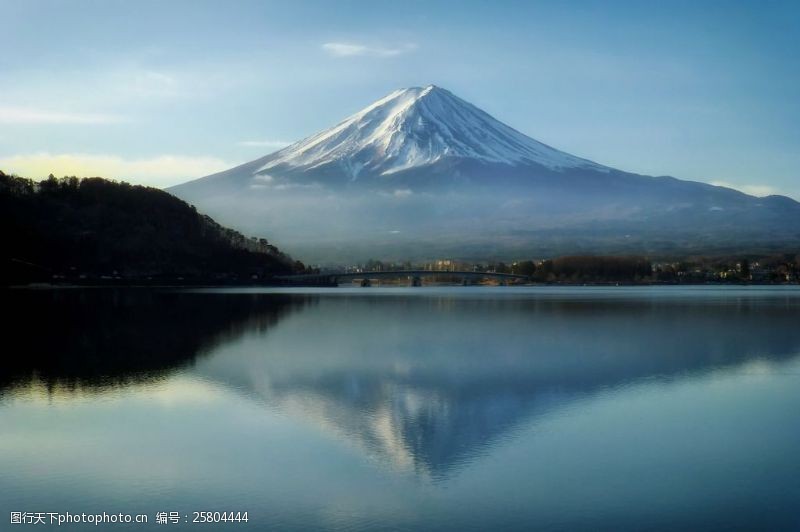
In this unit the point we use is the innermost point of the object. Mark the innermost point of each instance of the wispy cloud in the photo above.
(158, 171)
(149, 83)
(28, 115)
(753, 190)
(350, 49)
(265, 143)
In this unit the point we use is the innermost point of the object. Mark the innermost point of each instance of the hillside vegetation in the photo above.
(72, 229)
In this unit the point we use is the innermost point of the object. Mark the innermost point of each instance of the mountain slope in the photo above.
(422, 173)
(85, 229)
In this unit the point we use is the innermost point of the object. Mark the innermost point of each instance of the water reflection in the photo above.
(424, 384)
(94, 340)
(428, 384)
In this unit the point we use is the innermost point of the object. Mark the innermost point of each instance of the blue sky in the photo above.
(162, 92)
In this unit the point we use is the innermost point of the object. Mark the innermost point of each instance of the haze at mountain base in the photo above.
(422, 173)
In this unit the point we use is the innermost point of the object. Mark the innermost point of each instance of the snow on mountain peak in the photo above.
(414, 127)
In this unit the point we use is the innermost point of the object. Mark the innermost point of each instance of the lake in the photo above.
(435, 408)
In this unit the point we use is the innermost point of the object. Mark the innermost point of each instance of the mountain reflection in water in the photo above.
(423, 383)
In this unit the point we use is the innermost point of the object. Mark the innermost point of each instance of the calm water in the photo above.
(419, 408)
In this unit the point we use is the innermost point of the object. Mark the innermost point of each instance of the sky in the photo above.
(159, 93)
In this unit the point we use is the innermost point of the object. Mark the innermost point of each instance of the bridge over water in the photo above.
(414, 276)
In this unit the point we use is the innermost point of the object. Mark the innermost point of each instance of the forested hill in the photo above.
(72, 229)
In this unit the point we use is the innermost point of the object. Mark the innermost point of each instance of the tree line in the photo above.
(71, 228)
(576, 269)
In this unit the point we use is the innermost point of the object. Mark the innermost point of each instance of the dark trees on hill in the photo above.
(594, 268)
(525, 267)
(94, 227)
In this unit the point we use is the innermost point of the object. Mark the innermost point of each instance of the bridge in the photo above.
(414, 276)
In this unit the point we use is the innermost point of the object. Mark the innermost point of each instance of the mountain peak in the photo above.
(432, 89)
(422, 91)
(414, 127)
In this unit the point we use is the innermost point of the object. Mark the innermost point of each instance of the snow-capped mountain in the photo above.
(415, 127)
(423, 173)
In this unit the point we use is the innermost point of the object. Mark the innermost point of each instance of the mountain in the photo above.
(83, 230)
(422, 173)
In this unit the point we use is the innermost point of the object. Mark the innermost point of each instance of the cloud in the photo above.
(28, 115)
(398, 193)
(149, 84)
(158, 171)
(265, 143)
(753, 190)
(342, 49)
